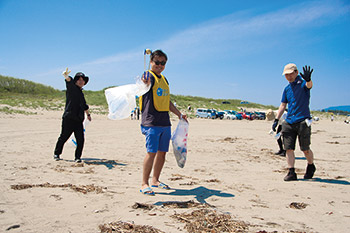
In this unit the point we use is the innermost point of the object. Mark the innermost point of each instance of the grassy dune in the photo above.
(16, 94)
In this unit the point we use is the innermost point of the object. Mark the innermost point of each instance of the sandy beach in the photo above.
(230, 166)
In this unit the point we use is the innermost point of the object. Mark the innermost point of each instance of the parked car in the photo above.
(229, 115)
(220, 114)
(247, 115)
(203, 113)
(238, 115)
(260, 115)
(212, 114)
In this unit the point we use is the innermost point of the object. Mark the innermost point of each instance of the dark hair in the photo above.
(81, 74)
(158, 53)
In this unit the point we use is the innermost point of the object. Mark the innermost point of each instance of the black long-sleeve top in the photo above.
(75, 102)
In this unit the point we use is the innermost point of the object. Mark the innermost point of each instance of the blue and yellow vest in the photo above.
(161, 94)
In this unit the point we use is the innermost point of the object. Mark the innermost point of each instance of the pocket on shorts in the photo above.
(304, 136)
(285, 127)
(305, 129)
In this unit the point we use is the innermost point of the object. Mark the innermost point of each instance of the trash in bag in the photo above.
(72, 139)
(179, 141)
(122, 100)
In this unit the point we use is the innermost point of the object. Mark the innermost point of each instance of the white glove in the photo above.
(66, 73)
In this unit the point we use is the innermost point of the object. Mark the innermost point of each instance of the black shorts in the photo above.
(290, 133)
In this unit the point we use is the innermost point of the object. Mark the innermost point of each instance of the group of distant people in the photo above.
(346, 121)
(155, 106)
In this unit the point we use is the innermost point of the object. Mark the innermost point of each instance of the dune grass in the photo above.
(21, 93)
(183, 102)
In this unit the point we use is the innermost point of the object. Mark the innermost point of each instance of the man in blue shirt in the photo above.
(297, 124)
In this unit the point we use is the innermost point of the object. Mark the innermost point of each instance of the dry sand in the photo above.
(231, 165)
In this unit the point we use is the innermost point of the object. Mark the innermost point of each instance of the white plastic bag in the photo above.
(72, 139)
(179, 141)
(121, 100)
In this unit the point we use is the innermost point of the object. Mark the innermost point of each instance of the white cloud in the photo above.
(238, 27)
(237, 33)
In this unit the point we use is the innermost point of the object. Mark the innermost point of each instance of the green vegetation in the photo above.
(22, 86)
(20, 93)
(26, 94)
(7, 110)
(182, 102)
(96, 98)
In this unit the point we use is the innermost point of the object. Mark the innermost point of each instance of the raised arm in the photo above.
(66, 74)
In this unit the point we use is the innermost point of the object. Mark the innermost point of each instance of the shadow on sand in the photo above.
(328, 181)
(201, 193)
(108, 163)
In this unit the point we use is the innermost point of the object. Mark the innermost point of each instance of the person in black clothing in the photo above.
(282, 151)
(73, 116)
(138, 113)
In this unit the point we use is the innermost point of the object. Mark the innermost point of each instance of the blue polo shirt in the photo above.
(297, 95)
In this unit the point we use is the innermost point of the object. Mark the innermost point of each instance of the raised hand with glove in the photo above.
(307, 73)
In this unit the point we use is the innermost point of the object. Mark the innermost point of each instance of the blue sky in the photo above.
(217, 49)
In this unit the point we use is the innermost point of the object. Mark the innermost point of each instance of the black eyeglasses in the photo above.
(160, 63)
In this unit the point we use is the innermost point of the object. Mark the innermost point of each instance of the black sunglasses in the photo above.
(160, 63)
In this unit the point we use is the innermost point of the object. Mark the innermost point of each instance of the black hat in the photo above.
(81, 74)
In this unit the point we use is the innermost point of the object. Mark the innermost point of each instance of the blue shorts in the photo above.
(157, 138)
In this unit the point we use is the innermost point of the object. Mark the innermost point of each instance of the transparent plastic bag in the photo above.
(275, 135)
(122, 100)
(179, 142)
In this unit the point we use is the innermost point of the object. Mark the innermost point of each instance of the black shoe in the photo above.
(77, 160)
(310, 170)
(281, 153)
(291, 175)
(56, 157)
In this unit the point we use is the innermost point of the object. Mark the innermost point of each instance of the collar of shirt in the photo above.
(297, 81)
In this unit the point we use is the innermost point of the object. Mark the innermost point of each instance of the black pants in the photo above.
(279, 141)
(68, 127)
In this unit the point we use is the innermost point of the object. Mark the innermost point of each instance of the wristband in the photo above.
(88, 115)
